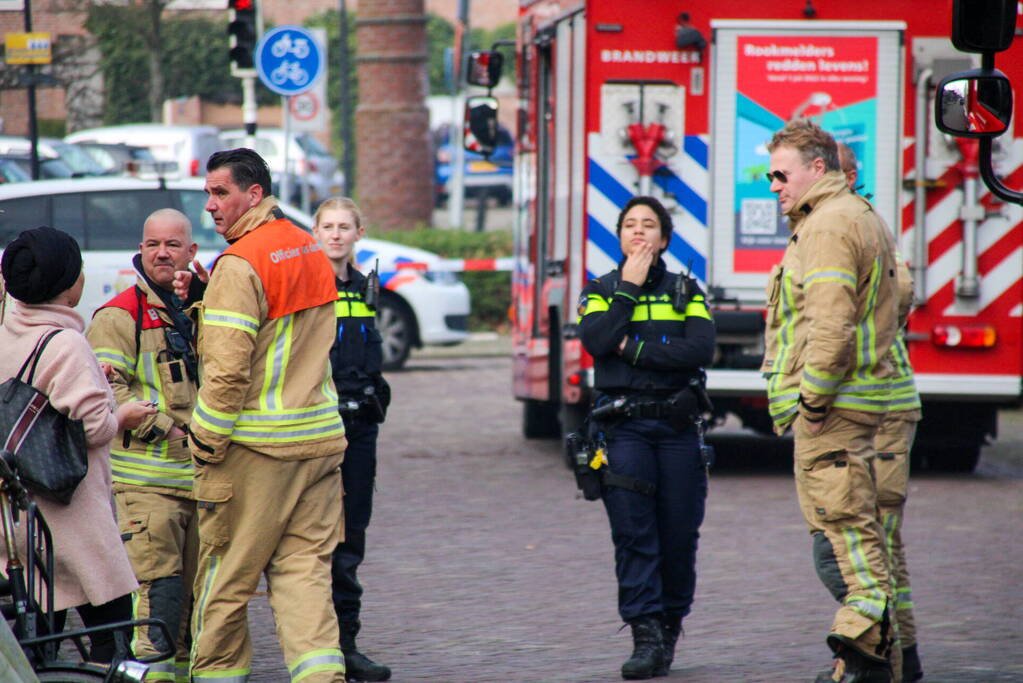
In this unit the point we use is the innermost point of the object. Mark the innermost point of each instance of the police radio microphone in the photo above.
(683, 289)
(372, 294)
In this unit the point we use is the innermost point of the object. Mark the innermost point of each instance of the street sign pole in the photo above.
(249, 110)
(286, 180)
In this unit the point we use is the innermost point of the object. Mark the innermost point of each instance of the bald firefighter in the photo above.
(146, 334)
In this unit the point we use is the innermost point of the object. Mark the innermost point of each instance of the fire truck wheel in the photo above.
(540, 420)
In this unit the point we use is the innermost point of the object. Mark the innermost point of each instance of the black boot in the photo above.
(859, 667)
(671, 628)
(911, 667)
(647, 658)
(359, 667)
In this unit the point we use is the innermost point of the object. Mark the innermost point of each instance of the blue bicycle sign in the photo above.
(288, 60)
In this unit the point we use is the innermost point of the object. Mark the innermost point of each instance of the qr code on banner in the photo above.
(759, 217)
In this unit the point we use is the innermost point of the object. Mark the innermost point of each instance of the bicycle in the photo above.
(29, 586)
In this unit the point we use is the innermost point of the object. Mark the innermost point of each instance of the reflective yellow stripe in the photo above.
(286, 416)
(872, 603)
(596, 304)
(821, 382)
(316, 661)
(145, 470)
(660, 311)
(279, 353)
(840, 275)
(279, 433)
(782, 406)
(213, 420)
(697, 308)
(114, 357)
(238, 321)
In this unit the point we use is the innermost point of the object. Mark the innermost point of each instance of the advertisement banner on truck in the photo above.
(765, 76)
(830, 79)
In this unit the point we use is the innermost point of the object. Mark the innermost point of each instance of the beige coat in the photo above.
(91, 563)
(147, 373)
(264, 383)
(832, 308)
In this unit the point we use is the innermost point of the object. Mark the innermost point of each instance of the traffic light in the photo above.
(244, 33)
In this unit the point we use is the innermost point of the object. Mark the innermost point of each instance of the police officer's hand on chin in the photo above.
(638, 263)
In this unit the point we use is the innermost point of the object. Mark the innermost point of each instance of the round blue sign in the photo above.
(288, 60)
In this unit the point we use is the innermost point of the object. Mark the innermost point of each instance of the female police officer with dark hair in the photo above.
(649, 339)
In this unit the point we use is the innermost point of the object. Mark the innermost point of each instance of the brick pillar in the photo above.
(394, 169)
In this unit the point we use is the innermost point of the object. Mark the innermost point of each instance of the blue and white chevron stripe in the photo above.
(613, 181)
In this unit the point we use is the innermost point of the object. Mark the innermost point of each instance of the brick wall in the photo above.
(50, 102)
(394, 172)
(484, 13)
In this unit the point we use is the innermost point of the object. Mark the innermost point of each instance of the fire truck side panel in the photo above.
(599, 78)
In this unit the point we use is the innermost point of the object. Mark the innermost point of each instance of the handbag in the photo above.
(49, 448)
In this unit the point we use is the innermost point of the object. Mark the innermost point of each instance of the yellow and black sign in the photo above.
(27, 48)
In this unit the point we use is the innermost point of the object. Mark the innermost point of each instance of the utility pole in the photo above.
(33, 124)
(456, 198)
(347, 160)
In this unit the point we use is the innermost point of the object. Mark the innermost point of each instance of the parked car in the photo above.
(116, 158)
(188, 146)
(106, 215)
(49, 167)
(308, 161)
(11, 172)
(492, 176)
(77, 160)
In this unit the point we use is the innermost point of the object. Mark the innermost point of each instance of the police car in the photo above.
(417, 307)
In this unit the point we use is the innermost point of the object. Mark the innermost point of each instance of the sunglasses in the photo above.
(777, 175)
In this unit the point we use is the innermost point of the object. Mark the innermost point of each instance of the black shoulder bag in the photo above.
(49, 448)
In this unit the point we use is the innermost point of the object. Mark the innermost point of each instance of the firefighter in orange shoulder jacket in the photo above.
(146, 335)
(265, 435)
(832, 318)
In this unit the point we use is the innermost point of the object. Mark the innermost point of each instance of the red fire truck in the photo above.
(678, 100)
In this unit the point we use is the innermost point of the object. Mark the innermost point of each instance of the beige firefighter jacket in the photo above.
(145, 457)
(832, 308)
(264, 383)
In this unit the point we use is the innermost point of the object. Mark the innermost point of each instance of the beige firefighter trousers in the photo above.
(282, 519)
(890, 468)
(160, 534)
(838, 498)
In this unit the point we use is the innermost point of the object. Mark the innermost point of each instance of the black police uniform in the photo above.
(655, 536)
(355, 359)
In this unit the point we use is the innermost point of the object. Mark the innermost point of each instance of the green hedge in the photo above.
(491, 292)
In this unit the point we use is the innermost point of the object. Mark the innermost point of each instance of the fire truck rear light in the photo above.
(574, 379)
(964, 336)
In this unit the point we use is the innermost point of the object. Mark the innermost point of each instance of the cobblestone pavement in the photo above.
(484, 565)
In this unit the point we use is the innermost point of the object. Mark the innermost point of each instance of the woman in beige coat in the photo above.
(42, 270)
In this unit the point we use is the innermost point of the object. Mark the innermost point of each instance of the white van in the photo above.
(106, 215)
(188, 146)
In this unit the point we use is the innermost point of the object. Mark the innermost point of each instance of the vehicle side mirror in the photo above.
(983, 25)
(974, 104)
(484, 68)
(480, 125)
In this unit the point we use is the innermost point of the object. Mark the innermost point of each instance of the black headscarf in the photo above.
(40, 264)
